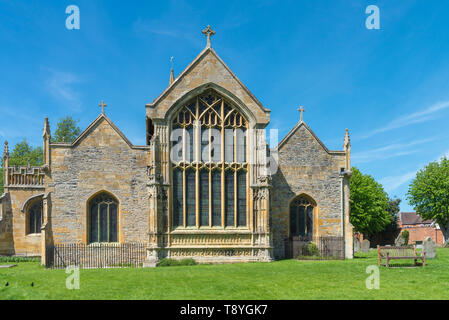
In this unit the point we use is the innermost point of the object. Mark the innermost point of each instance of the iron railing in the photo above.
(96, 255)
(315, 248)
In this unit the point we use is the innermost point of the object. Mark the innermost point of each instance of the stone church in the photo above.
(205, 185)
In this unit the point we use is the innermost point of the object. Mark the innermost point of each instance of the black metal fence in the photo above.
(315, 248)
(96, 255)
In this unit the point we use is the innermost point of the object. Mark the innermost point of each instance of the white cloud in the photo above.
(60, 85)
(409, 119)
(392, 182)
(388, 151)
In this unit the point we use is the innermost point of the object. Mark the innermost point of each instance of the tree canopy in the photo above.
(428, 193)
(67, 130)
(369, 204)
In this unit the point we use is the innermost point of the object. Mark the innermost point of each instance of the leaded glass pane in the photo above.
(301, 221)
(177, 198)
(229, 208)
(94, 223)
(190, 198)
(216, 198)
(113, 222)
(189, 144)
(294, 221)
(241, 145)
(241, 201)
(103, 222)
(309, 221)
(204, 198)
(229, 145)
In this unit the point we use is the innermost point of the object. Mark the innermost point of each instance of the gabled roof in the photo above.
(86, 132)
(295, 128)
(208, 70)
(412, 218)
(192, 65)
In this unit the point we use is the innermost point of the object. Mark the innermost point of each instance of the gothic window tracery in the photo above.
(103, 218)
(301, 217)
(209, 164)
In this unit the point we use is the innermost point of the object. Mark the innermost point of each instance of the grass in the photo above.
(287, 279)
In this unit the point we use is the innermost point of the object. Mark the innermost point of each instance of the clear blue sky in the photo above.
(390, 87)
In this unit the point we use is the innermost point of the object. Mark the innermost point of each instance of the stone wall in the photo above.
(306, 167)
(100, 160)
(13, 227)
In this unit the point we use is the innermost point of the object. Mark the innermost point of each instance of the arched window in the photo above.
(103, 218)
(301, 217)
(209, 164)
(34, 216)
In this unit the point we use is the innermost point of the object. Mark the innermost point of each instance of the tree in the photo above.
(67, 130)
(22, 155)
(369, 204)
(428, 193)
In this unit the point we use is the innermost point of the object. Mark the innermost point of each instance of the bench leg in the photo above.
(387, 262)
(416, 262)
(423, 262)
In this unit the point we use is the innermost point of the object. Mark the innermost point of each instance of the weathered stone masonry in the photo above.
(102, 159)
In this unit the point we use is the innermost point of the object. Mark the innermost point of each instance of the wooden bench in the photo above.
(405, 252)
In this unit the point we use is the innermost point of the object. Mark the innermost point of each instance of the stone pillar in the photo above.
(6, 168)
(46, 234)
(347, 226)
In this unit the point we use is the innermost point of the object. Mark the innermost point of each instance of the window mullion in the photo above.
(223, 203)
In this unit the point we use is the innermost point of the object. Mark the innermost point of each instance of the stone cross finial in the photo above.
(301, 110)
(208, 32)
(102, 105)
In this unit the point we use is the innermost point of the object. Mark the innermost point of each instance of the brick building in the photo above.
(419, 229)
(214, 192)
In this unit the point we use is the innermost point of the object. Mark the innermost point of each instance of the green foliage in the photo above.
(405, 236)
(369, 204)
(19, 259)
(279, 280)
(312, 249)
(67, 130)
(167, 262)
(428, 193)
(23, 153)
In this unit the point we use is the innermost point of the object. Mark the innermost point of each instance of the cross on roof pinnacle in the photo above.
(208, 32)
(102, 105)
(301, 110)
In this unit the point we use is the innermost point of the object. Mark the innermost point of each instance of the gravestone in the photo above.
(399, 242)
(365, 245)
(356, 245)
(428, 248)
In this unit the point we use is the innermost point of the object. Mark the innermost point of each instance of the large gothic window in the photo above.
(103, 226)
(34, 216)
(209, 164)
(301, 217)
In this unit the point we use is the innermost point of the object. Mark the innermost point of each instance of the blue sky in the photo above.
(390, 87)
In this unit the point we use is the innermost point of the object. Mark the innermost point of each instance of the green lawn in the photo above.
(287, 279)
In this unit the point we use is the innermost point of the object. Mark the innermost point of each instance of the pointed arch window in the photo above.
(34, 217)
(103, 218)
(301, 217)
(209, 164)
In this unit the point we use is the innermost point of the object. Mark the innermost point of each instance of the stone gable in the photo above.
(208, 69)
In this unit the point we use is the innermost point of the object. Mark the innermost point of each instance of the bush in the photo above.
(19, 259)
(167, 262)
(312, 249)
(405, 236)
